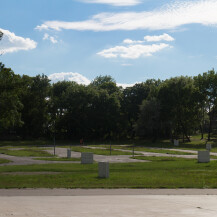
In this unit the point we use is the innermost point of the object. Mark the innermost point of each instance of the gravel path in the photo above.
(61, 152)
(28, 160)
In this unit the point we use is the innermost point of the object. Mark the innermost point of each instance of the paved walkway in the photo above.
(28, 160)
(61, 152)
(151, 154)
(109, 205)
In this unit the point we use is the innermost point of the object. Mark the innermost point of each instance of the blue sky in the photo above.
(131, 40)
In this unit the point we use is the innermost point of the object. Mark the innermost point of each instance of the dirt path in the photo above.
(61, 152)
(28, 160)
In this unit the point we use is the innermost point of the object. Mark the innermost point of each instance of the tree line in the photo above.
(33, 107)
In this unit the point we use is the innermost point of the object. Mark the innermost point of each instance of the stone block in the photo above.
(176, 142)
(68, 153)
(208, 147)
(103, 169)
(86, 158)
(203, 157)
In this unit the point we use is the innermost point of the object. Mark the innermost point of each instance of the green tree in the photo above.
(132, 99)
(179, 106)
(10, 104)
(148, 123)
(35, 98)
(207, 85)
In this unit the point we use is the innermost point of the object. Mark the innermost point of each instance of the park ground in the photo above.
(32, 164)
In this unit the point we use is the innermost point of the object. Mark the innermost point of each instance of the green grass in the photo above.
(144, 149)
(155, 158)
(2, 161)
(58, 159)
(176, 173)
(99, 151)
(26, 152)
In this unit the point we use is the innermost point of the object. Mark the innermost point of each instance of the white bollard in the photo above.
(68, 153)
(208, 147)
(176, 142)
(86, 158)
(103, 169)
(203, 156)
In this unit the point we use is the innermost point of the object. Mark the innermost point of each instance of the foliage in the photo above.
(32, 107)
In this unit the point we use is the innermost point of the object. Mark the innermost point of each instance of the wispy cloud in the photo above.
(169, 16)
(164, 37)
(50, 38)
(132, 51)
(69, 76)
(129, 41)
(11, 43)
(135, 48)
(114, 2)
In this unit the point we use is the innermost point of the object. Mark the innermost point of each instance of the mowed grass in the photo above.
(154, 158)
(2, 161)
(26, 152)
(58, 159)
(177, 173)
(99, 151)
(144, 149)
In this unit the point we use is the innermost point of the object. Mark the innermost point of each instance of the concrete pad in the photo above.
(110, 205)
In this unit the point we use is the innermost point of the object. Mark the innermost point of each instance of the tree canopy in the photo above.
(32, 107)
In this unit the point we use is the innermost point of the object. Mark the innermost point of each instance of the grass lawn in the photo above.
(99, 151)
(58, 159)
(2, 161)
(153, 158)
(144, 149)
(160, 173)
(26, 152)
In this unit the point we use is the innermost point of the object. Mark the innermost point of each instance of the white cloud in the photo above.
(169, 16)
(126, 85)
(50, 38)
(115, 2)
(69, 76)
(126, 64)
(164, 37)
(129, 41)
(132, 51)
(78, 78)
(11, 43)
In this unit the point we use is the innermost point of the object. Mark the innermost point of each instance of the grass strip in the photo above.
(144, 149)
(179, 173)
(2, 161)
(99, 151)
(26, 152)
(58, 159)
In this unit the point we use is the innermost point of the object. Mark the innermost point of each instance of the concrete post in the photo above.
(68, 153)
(86, 158)
(176, 142)
(203, 157)
(208, 147)
(103, 169)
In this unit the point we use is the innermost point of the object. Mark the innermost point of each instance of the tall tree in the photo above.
(179, 105)
(10, 104)
(207, 85)
(132, 99)
(35, 97)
